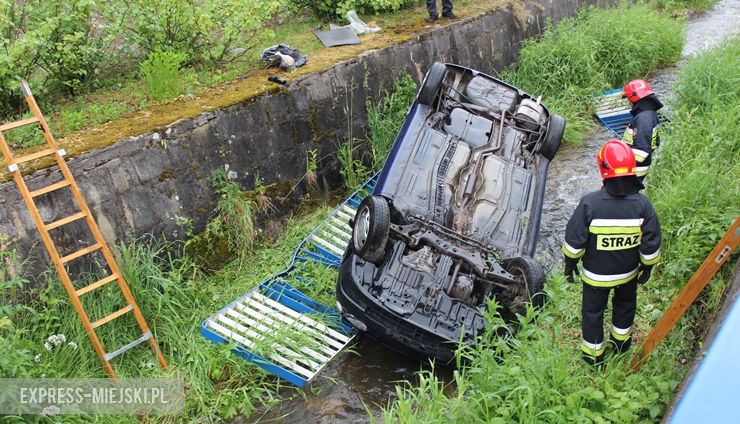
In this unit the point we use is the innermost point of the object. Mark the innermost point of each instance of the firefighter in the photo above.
(642, 131)
(616, 233)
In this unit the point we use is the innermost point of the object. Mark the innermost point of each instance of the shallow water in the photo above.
(363, 381)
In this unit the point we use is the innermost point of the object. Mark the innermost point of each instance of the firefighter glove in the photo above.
(570, 268)
(643, 274)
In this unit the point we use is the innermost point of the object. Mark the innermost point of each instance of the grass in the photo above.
(599, 50)
(537, 375)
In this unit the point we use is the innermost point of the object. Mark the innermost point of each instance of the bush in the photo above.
(161, 71)
(339, 8)
(204, 30)
(54, 45)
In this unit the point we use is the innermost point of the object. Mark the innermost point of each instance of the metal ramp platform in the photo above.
(277, 327)
(612, 111)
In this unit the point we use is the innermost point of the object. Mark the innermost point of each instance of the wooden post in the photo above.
(690, 292)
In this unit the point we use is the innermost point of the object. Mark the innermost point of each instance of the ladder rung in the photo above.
(17, 124)
(49, 188)
(82, 252)
(96, 284)
(32, 156)
(64, 221)
(146, 336)
(113, 316)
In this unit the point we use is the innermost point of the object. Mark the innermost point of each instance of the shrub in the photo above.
(161, 72)
(204, 30)
(335, 8)
(51, 44)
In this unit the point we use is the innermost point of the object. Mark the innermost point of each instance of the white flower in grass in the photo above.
(54, 340)
(37, 358)
(73, 345)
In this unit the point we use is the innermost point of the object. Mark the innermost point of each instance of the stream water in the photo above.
(362, 381)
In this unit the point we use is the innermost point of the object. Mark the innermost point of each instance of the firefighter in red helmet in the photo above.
(642, 131)
(616, 233)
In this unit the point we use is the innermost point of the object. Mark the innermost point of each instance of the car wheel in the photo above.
(530, 286)
(553, 137)
(370, 230)
(432, 83)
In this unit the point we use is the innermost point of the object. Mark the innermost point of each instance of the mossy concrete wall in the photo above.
(160, 183)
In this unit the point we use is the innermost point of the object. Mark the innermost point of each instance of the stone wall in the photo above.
(159, 183)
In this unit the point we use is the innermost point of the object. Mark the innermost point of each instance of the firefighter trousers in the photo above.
(594, 303)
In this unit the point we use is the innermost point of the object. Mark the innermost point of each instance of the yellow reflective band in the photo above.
(620, 171)
(593, 352)
(571, 254)
(614, 230)
(621, 337)
(627, 137)
(652, 261)
(642, 173)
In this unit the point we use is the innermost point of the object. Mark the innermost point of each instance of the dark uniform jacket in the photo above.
(642, 132)
(612, 234)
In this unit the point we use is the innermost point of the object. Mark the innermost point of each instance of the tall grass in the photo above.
(598, 50)
(387, 116)
(174, 296)
(537, 375)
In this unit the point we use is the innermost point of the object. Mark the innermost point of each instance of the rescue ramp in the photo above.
(612, 111)
(279, 328)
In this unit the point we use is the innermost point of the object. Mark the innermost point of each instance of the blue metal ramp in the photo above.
(276, 326)
(613, 111)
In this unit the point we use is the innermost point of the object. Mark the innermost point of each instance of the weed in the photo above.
(385, 118)
(352, 169)
(311, 166)
(161, 71)
(262, 202)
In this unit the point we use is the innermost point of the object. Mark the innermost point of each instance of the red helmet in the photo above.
(615, 159)
(636, 90)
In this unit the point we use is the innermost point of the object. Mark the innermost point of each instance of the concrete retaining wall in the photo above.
(160, 182)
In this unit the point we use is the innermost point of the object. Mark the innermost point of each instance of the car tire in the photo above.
(370, 229)
(432, 83)
(531, 289)
(553, 137)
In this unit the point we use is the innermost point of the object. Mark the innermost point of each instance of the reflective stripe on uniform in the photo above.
(611, 280)
(628, 135)
(640, 155)
(616, 226)
(642, 170)
(650, 259)
(571, 251)
(593, 349)
(621, 334)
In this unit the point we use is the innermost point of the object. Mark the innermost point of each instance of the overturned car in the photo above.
(454, 217)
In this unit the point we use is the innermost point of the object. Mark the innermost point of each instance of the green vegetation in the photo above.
(537, 375)
(359, 160)
(161, 71)
(598, 50)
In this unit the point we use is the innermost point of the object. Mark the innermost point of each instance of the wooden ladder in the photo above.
(52, 149)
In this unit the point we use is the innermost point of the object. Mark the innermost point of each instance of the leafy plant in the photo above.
(204, 30)
(161, 71)
(352, 169)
